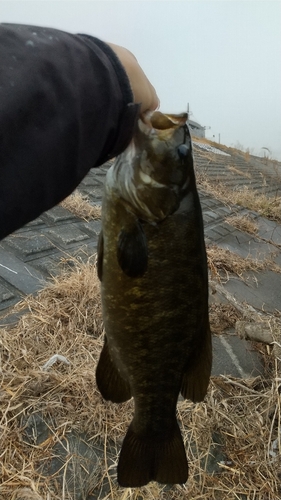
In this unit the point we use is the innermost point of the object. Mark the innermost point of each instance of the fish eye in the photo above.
(183, 151)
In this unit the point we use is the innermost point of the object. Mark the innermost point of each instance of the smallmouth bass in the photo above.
(154, 286)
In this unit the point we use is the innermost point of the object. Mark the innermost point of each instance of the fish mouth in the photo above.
(153, 193)
(149, 181)
(157, 121)
(158, 127)
(145, 125)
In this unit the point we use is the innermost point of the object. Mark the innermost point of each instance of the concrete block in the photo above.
(262, 290)
(211, 234)
(223, 229)
(235, 357)
(67, 235)
(20, 275)
(213, 215)
(269, 230)
(57, 214)
(93, 193)
(7, 296)
(28, 245)
(93, 227)
(246, 245)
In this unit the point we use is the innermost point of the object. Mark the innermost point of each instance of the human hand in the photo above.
(143, 90)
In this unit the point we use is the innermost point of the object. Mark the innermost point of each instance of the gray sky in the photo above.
(223, 57)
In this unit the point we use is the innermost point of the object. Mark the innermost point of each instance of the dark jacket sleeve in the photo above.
(65, 106)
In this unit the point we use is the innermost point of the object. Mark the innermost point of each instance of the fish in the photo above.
(152, 267)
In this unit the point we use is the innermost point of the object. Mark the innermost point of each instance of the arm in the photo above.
(66, 106)
(143, 91)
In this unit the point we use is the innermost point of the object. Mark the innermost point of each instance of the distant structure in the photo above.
(196, 129)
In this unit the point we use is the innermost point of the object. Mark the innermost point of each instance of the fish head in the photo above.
(163, 161)
(154, 172)
(163, 149)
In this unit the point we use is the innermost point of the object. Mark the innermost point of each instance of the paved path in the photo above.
(39, 250)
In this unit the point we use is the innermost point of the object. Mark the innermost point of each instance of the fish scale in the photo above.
(154, 286)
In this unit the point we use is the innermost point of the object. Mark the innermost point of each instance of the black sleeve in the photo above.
(65, 106)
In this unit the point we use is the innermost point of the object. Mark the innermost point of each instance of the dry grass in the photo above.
(223, 316)
(236, 170)
(222, 262)
(267, 206)
(65, 319)
(243, 223)
(26, 494)
(79, 205)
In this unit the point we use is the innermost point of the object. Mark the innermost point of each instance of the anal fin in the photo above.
(111, 384)
(146, 459)
(196, 379)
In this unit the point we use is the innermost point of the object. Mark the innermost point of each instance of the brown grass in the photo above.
(223, 316)
(65, 319)
(222, 262)
(243, 223)
(79, 205)
(267, 206)
(236, 170)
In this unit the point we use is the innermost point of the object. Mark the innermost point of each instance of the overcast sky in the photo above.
(222, 57)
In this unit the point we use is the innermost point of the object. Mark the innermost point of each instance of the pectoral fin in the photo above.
(132, 253)
(100, 256)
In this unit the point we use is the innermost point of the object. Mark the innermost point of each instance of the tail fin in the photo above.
(146, 459)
